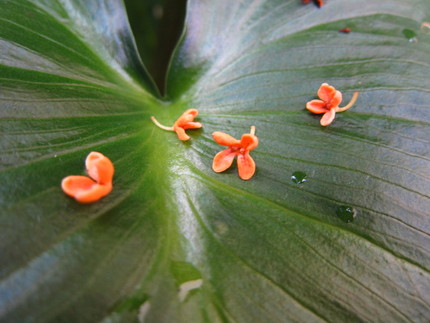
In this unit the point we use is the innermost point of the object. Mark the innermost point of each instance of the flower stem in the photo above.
(159, 125)
(350, 104)
(252, 132)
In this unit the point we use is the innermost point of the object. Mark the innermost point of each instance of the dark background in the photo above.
(157, 26)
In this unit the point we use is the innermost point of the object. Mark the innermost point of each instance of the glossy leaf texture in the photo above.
(175, 241)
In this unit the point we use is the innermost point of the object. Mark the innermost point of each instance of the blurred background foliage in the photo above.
(157, 26)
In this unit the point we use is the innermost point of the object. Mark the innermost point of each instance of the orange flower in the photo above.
(329, 103)
(239, 148)
(89, 190)
(319, 3)
(185, 121)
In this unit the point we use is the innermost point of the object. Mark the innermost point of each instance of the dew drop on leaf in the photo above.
(298, 177)
(346, 213)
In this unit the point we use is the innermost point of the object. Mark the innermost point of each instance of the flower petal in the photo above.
(249, 141)
(186, 117)
(335, 101)
(328, 117)
(96, 192)
(84, 189)
(181, 133)
(72, 184)
(246, 166)
(326, 92)
(317, 106)
(99, 167)
(191, 125)
(223, 160)
(224, 139)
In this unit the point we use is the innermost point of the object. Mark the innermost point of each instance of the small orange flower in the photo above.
(319, 3)
(345, 30)
(185, 121)
(329, 103)
(239, 148)
(89, 190)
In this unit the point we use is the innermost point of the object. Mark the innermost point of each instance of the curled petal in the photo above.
(84, 189)
(246, 166)
(249, 141)
(99, 167)
(326, 92)
(223, 160)
(191, 112)
(181, 133)
(224, 139)
(328, 117)
(192, 125)
(186, 117)
(336, 100)
(317, 106)
(72, 184)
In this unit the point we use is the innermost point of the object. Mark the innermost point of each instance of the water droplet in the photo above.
(410, 35)
(346, 213)
(299, 177)
(221, 227)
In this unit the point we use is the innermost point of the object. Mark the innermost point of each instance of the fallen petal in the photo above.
(223, 160)
(246, 166)
(72, 184)
(328, 117)
(249, 141)
(224, 139)
(99, 167)
(84, 189)
(326, 92)
(181, 133)
(317, 106)
(186, 117)
(335, 101)
(191, 125)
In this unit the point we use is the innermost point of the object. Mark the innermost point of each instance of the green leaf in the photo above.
(175, 241)
(156, 25)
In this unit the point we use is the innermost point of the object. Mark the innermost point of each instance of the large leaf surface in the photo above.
(265, 249)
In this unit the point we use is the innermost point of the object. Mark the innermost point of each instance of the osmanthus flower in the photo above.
(329, 103)
(239, 148)
(319, 3)
(90, 189)
(184, 122)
